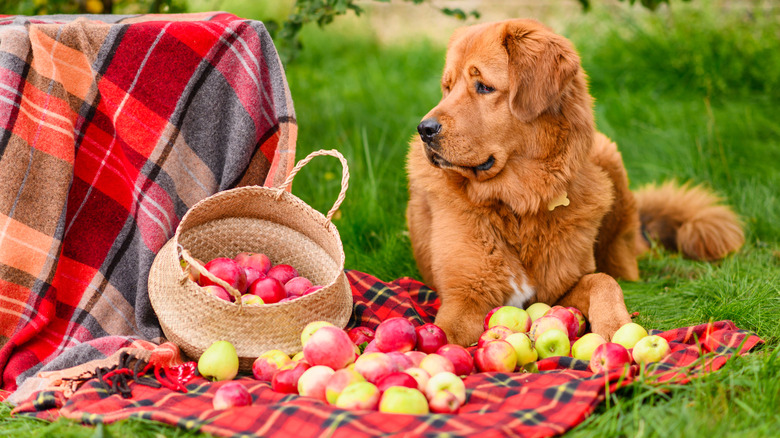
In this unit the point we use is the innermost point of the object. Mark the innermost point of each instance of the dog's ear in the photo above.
(541, 64)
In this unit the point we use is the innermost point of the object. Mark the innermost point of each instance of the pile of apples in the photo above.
(404, 369)
(255, 277)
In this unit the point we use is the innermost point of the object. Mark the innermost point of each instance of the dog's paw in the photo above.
(606, 325)
(460, 332)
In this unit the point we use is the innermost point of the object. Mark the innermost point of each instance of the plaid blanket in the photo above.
(542, 404)
(111, 127)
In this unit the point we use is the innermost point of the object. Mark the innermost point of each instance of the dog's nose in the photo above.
(429, 129)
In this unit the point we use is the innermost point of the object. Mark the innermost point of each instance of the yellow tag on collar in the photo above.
(558, 201)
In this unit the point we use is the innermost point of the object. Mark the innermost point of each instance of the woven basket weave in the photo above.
(254, 219)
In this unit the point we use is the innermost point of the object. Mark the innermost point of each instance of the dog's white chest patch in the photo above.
(520, 294)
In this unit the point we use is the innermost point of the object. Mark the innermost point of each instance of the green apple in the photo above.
(584, 346)
(629, 334)
(515, 318)
(523, 347)
(402, 400)
(537, 310)
(553, 342)
(219, 361)
(360, 395)
(340, 380)
(650, 349)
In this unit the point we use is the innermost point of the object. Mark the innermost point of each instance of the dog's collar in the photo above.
(561, 200)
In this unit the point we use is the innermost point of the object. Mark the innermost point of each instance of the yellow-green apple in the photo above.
(487, 317)
(297, 357)
(581, 319)
(567, 318)
(282, 272)
(524, 348)
(396, 379)
(218, 291)
(496, 355)
(415, 356)
(286, 379)
(435, 364)
(253, 260)
(650, 349)
(312, 327)
(420, 375)
(545, 323)
(609, 356)
(329, 346)
(268, 363)
(446, 382)
(514, 318)
(226, 270)
(583, 347)
(395, 334)
(400, 360)
(460, 357)
(360, 335)
(430, 337)
(269, 289)
(191, 271)
(219, 361)
(493, 334)
(629, 334)
(340, 380)
(360, 395)
(553, 342)
(374, 366)
(313, 381)
(251, 300)
(231, 395)
(537, 310)
(402, 400)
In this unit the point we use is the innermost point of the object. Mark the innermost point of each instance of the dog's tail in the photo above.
(689, 219)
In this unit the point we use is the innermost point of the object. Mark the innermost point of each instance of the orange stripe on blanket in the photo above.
(22, 247)
(57, 61)
(13, 302)
(45, 123)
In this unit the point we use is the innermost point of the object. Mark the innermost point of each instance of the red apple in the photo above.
(609, 356)
(329, 346)
(311, 290)
(415, 356)
(286, 379)
(297, 286)
(446, 382)
(252, 275)
(492, 334)
(400, 360)
(218, 291)
(444, 402)
(374, 366)
(396, 379)
(313, 381)
(487, 318)
(340, 380)
(435, 364)
(283, 273)
(420, 376)
(268, 363)
(359, 335)
(460, 357)
(226, 270)
(567, 318)
(545, 323)
(254, 260)
(396, 334)
(269, 289)
(430, 337)
(581, 318)
(231, 395)
(371, 347)
(496, 356)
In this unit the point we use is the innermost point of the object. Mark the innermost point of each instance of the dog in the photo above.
(515, 198)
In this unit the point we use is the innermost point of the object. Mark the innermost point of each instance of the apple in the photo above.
(297, 357)
(552, 343)
(629, 334)
(461, 359)
(218, 291)
(537, 310)
(435, 364)
(446, 382)
(252, 275)
(269, 289)
(514, 318)
(226, 270)
(444, 402)
(251, 300)
(395, 334)
(609, 356)
(398, 378)
(283, 273)
(583, 347)
(312, 289)
(312, 327)
(192, 272)
(420, 376)
(400, 360)
(329, 346)
(524, 348)
(402, 400)
(649, 349)
(340, 380)
(581, 318)
(494, 333)
(219, 361)
(360, 395)
(430, 337)
(297, 286)
(359, 335)
(268, 363)
(487, 317)
(496, 355)
(374, 366)
(231, 395)
(286, 379)
(567, 318)
(313, 381)
(415, 356)
(253, 260)
(545, 323)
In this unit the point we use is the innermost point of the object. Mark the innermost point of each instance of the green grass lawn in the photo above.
(692, 95)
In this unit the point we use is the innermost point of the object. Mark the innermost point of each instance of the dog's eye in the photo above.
(484, 89)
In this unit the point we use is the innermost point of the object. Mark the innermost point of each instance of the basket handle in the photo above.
(184, 254)
(344, 176)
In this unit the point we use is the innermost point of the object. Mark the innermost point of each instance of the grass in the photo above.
(692, 94)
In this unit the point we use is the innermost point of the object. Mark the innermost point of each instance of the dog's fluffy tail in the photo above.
(689, 219)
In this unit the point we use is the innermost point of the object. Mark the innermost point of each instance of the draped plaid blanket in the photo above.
(111, 127)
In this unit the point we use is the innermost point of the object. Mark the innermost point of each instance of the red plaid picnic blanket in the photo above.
(109, 131)
(547, 403)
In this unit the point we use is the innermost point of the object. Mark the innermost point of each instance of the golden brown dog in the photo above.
(515, 198)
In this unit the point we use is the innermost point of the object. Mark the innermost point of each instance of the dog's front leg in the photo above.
(600, 298)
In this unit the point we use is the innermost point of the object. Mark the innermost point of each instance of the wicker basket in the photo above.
(255, 219)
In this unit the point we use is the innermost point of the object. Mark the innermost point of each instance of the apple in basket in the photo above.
(430, 338)
(396, 334)
(282, 272)
(218, 291)
(270, 290)
(231, 395)
(253, 260)
(226, 270)
(252, 275)
(297, 286)
(403, 400)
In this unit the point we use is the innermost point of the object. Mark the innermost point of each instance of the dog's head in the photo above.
(512, 93)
